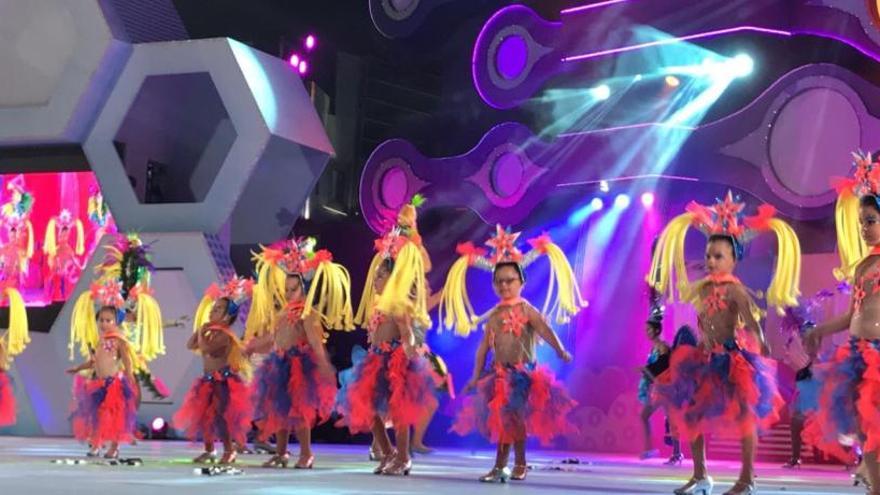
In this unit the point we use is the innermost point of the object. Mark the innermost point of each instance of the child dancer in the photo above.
(393, 381)
(106, 396)
(105, 403)
(515, 397)
(849, 401)
(800, 358)
(12, 343)
(63, 264)
(218, 404)
(658, 361)
(296, 384)
(723, 385)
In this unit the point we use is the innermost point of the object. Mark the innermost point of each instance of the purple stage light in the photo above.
(670, 41)
(575, 10)
(310, 42)
(648, 199)
(303, 67)
(294, 60)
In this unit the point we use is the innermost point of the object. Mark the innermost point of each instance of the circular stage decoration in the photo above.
(824, 149)
(510, 58)
(401, 18)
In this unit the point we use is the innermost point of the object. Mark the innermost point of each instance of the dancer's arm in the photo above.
(479, 362)
(814, 336)
(744, 310)
(193, 342)
(127, 365)
(260, 345)
(84, 366)
(537, 321)
(315, 336)
(407, 338)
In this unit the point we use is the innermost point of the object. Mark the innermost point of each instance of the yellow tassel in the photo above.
(80, 238)
(258, 322)
(83, 327)
(18, 337)
(332, 288)
(203, 313)
(151, 328)
(785, 286)
(138, 363)
(851, 248)
(49, 243)
(264, 299)
(366, 305)
(668, 267)
(268, 294)
(406, 292)
(455, 302)
(568, 301)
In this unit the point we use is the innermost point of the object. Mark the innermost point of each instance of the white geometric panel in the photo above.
(265, 121)
(58, 59)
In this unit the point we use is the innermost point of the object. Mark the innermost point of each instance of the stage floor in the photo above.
(26, 467)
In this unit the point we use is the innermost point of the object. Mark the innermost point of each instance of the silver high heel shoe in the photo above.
(696, 487)
(496, 475)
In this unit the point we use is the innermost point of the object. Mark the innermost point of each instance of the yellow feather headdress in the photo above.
(236, 291)
(668, 271)
(865, 181)
(563, 294)
(327, 285)
(123, 282)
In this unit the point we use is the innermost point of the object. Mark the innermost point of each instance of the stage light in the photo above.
(672, 81)
(581, 214)
(603, 186)
(601, 92)
(621, 201)
(647, 199)
(637, 78)
(158, 424)
(310, 42)
(294, 60)
(303, 67)
(741, 65)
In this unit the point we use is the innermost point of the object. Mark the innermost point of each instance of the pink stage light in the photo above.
(648, 199)
(310, 42)
(303, 67)
(294, 60)
(158, 424)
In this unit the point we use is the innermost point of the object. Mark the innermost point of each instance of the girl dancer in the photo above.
(12, 343)
(218, 404)
(515, 397)
(296, 384)
(723, 385)
(393, 381)
(63, 264)
(106, 397)
(849, 401)
(658, 361)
